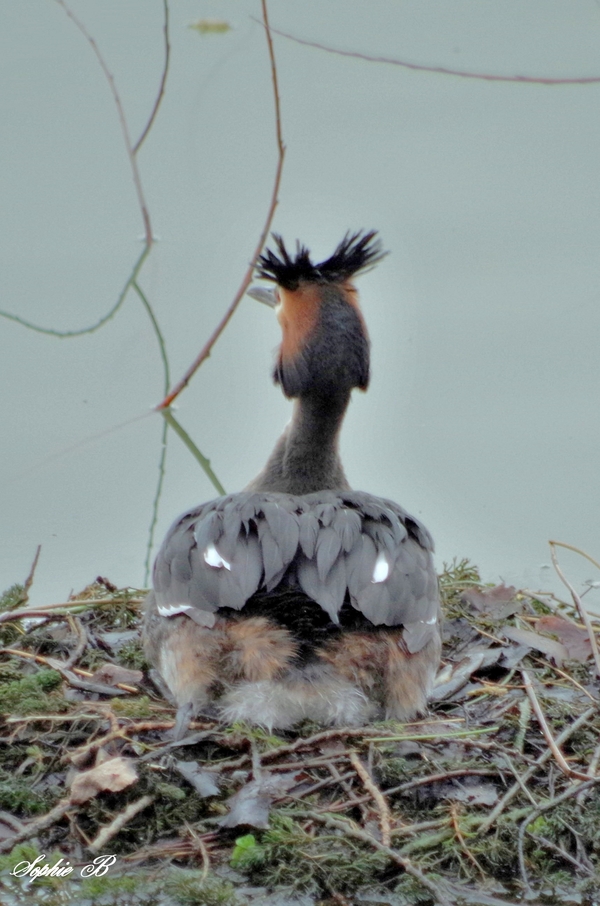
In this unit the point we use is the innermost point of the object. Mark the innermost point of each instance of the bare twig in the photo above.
(441, 70)
(585, 619)
(163, 82)
(385, 818)
(562, 853)
(576, 550)
(65, 334)
(198, 455)
(512, 792)
(53, 610)
(29, 580)
(461, 839)
(566, 676)
(537, 710)
(122, 120)
(82, 639)
(574, 790)
(206, 349)
(118, 823)
(439, 778)
(32, 828)
(351, 830)
(72, 677)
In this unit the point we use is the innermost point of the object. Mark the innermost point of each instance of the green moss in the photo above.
(138, 707)
(12, 598)
(33, 694)
(132, 655)
(259, 736)
(18, 797)
(321, 862)
(190, 889)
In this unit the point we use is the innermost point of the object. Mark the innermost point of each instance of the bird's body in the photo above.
(299, 597)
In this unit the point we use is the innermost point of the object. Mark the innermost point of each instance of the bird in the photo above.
(300, 598)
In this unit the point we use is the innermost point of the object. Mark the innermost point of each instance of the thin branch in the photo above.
(585, 619)
(165, 429)
(537, 710)
(162, 469)
(79, 632)
(122, 119)
(440, 70)
(72, 677)
(29, 580)
(512, 792)
(118, 823)
(574, 790)
(156, 327)
(576, 550)
(351, 830)
(163, 82)
(440, 778)
(63, 334)
(206, 349)
(204, 462)
(385, 818)
(461, 840)
(32, 828)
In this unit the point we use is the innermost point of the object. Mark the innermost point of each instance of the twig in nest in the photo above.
(32, 828)
(537, 710)
(438, 778)
(351, 830)
(585, 618)
(70, 676)
(574, 790)
(199, 844)
(118, 823)
(29, 580)
(592, 771)
(24, 613)
(385, 818)
(462, 842)
(563, 855)
(82, 640)
(512, 792)
(319, 785)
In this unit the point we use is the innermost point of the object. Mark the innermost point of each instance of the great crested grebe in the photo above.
(299, 597)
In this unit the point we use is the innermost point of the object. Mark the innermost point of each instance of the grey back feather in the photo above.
(330, 542)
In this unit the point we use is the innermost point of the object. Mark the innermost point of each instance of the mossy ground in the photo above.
(468, 806)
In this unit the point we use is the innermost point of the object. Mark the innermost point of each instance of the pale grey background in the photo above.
(482, 417)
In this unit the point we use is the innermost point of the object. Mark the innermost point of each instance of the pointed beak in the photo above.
(264, 295)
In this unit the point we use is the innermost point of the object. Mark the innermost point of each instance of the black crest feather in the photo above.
(355, 253)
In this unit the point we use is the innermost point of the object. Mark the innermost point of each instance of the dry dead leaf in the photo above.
(204, 782)
(251, 805)
(575, 639)
(113, 775)
(498, 602)
(549, 647)
(111, 674)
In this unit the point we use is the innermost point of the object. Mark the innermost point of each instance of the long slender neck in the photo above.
(306, 457)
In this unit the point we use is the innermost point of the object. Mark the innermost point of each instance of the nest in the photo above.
(493, 799)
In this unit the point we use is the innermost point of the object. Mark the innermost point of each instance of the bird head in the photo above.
(325, 345)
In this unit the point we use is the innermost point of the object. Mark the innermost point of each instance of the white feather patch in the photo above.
(171, 610)
(214, 558)
(381, 570)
